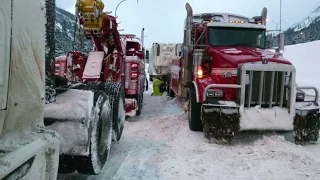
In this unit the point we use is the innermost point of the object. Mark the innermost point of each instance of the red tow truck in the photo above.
(131, 72)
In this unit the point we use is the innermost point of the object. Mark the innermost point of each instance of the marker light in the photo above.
(200, 72)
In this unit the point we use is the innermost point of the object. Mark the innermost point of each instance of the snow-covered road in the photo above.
(159, 145)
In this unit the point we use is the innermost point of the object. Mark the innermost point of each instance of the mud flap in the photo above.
(306, 125)
(220, 122)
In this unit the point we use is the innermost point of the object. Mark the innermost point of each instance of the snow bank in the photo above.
(71, 105)
(188, 155)
(306, 58)
(169, 150)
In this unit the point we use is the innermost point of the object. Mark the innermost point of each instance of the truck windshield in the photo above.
(230, 36)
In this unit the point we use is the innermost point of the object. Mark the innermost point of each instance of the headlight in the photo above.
(217, 93)
(300, 96)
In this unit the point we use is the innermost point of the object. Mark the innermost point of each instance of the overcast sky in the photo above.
(163, 19)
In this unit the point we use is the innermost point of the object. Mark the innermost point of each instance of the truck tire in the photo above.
(306, 128)
(170, 92)
(140, 103)
(100, 137)
(116, 93)
(66, 164)
(194, 111)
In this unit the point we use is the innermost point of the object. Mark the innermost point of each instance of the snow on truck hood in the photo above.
(237, 55)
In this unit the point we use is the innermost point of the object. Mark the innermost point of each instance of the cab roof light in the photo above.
(237, 21)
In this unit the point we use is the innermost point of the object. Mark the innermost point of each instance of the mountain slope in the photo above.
(305, 31)
(312, 18)
(64, 33)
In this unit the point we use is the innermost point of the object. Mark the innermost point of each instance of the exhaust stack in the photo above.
(142, 38)
(188, 25)
(264, 13)
(187, 62)
(142, 43)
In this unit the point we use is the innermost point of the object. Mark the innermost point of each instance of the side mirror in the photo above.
(281, 41)
(147, 55)
(206, 59)
(180, 53)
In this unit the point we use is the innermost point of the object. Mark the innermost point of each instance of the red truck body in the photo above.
(226, 63)
(232, 82)
(97, 66)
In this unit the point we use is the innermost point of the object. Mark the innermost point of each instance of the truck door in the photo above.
(5, 44)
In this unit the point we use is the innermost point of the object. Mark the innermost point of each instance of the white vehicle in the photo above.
(28, 150)
(161, 56)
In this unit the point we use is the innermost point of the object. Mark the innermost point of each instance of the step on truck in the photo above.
(94, 90)
(232, 83)
(28, 150)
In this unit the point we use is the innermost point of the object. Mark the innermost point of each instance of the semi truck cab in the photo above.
(232, 83)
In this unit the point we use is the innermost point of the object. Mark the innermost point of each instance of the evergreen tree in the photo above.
(50, 50)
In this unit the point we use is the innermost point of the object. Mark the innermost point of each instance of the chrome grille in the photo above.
(266, 85)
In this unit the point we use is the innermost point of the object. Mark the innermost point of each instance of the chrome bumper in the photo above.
(265, 85)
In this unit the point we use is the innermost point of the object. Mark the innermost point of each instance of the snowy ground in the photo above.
(159, 145)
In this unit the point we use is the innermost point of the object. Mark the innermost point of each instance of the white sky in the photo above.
(163, 19)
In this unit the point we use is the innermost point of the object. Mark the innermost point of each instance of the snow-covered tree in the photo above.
(50, 50)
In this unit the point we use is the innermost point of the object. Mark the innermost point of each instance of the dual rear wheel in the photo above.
(106, 124)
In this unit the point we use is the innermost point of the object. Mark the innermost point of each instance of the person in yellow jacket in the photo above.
(157, 87)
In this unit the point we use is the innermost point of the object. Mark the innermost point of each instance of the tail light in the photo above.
(57, 69)
(132, 71)
(134, 75)
(134, 65)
